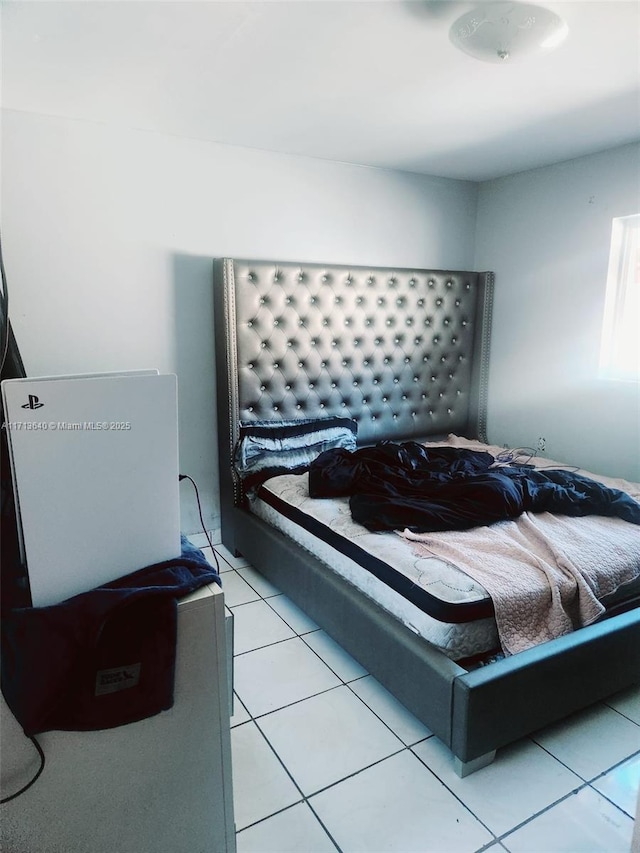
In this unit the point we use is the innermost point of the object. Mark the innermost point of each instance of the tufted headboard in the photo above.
(403, 351)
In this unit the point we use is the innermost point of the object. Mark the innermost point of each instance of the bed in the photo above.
(404, 354)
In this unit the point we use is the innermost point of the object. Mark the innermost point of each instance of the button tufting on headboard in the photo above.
(307, 339)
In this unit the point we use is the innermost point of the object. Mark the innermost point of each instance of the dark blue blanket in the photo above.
(103, 658)
(393, 486)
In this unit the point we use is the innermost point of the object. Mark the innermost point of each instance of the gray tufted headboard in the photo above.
(403, 351)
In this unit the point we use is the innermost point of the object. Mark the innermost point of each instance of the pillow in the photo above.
(268, 448)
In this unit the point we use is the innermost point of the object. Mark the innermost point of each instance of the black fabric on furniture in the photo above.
(103, 658)
(393, 469)
(394, 486)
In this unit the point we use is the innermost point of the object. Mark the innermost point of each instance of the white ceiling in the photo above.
(374, 83)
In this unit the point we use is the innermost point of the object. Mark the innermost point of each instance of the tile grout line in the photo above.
(304, 796)
(257, 592)
(406, 747)
(547, 808)
(295, 702)
(458, 798)
(264, 736)
(310, 631)
(303, 801)
(572, 793)
(622, 714)
(347, 684)
(575, 772)
(343, 683)
(317, 654)
(266, 645)
(606, 773)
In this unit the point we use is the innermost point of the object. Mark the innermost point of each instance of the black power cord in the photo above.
(30, 783)
(4, 302)
(204, 528)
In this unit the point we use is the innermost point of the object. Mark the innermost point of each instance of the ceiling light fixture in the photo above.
(505, 31)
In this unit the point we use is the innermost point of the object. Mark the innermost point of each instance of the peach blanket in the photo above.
(545, 573)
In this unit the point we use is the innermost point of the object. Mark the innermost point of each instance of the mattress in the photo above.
(433, 597)
(466, 626)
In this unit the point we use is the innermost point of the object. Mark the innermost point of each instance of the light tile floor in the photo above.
(325, 759)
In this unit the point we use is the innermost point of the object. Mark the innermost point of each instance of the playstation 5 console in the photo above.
(95, 472)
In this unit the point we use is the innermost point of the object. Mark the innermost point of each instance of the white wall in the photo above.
(546, 234)
(108, 237)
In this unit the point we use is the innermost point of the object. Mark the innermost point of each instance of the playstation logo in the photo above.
(34, 403)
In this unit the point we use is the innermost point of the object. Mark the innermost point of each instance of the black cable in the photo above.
(5, 310)
(512, 456)
(29, 784)
(204, 528)
(527, 452)
(571, 469)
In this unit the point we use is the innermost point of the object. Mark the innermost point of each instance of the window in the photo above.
(620, 351)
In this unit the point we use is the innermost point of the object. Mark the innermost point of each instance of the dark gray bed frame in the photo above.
(404, 352)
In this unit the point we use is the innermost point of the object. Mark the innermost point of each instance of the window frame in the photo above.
(620, 347)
